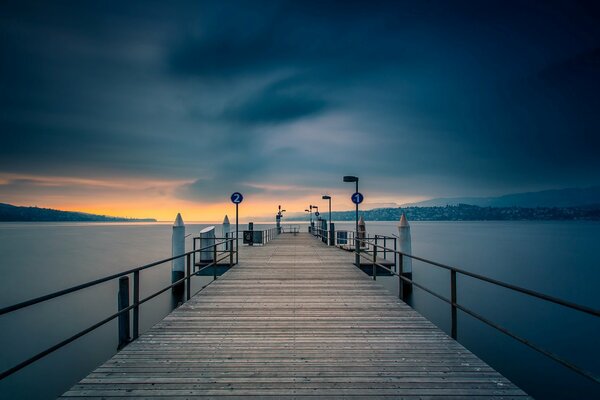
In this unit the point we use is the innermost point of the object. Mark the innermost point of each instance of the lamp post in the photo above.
(278, 219)
(316, 215)
(356, 245)
(330, 239)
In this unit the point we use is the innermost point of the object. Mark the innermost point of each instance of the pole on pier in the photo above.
(178, 264)
(237, 235)
(251, 229)
(123, 303)
(278, 219)
(362, 231)
(405, 246)
(207, 238)
(226, 230)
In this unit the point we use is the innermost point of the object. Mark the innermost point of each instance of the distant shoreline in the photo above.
(466, 212)
(10, 213)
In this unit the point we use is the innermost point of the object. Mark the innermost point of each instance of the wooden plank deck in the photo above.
(294, 319)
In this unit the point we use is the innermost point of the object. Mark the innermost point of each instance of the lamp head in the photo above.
(349, 178)
(325, 197)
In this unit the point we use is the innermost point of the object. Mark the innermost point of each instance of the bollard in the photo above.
(178, 264)
(207, 239)
(405, 245)
(226, 230)
(123, 303)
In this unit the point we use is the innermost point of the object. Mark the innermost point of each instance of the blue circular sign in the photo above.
(237, 198)
(317, 213)
(357, 198)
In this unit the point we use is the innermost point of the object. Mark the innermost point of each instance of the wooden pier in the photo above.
(294, 319)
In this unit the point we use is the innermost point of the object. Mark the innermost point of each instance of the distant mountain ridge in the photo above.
(571, 197)
(10, 213)
(466, 212)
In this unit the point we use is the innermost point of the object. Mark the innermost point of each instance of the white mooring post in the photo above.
(207, 238)
(178, 248)
(405, 246)
(226, 230)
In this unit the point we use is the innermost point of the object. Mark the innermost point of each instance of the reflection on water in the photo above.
(557, 258)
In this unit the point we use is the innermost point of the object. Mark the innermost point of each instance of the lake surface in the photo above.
(556, 258)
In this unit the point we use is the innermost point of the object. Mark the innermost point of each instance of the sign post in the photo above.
(357, 198)
(237, 198)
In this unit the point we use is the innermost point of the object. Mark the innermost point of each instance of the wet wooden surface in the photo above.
(294, 319)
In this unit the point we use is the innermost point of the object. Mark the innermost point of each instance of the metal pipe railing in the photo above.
(456, 306)
(125, 310)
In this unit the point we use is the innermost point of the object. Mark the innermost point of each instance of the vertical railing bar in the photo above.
(453, 332)
(375, 261)
(136, 303)
(385, 247)
(188, 274)
(123, 303)
(400, 283)
(215, 262)
(396, 254)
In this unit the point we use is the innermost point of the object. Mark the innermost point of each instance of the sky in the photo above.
(146, 109)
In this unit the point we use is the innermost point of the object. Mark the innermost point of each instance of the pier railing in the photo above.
(123, 296)
(405, 281)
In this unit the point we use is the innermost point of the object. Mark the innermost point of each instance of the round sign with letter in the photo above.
(317, 213)
(357, 198)
(237, 198)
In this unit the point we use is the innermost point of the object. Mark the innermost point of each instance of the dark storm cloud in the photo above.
(277, 103)
(419, 98)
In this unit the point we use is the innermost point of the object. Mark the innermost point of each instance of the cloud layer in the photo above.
(283, 98)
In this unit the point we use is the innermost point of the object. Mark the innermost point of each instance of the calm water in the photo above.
(557, 258)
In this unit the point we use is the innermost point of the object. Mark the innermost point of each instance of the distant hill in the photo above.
(10, 213)
(465, 212)
(572, 197)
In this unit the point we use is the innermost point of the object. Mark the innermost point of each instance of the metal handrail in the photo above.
(76, 288)
(519, 289)
(133, 306)
(453, 302)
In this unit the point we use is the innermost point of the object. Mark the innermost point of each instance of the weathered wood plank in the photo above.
(294, 319)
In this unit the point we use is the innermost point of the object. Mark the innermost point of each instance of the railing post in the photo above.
(453, 333)
(396, 254)
(188, 274)
(400, 281)
(215, 262)
(375, 261)
(136, 303)
(123, 303)
(384, 247)
(231, 255)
